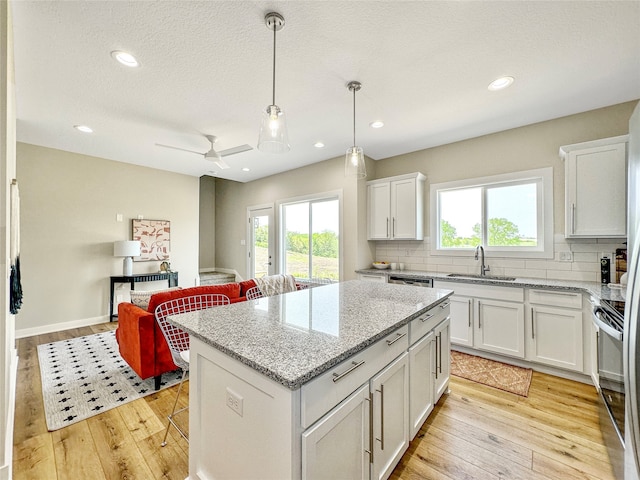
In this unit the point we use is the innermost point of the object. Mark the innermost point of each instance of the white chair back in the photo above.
(253, 293)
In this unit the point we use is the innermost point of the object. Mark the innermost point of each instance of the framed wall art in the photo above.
(154, 237)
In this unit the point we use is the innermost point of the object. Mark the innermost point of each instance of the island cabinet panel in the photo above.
(225, 443)
(337, 446)
(325, 392)
(421, 371)
(390, 394)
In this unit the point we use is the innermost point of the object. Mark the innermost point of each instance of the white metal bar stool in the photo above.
(253, 293)
(178, 340)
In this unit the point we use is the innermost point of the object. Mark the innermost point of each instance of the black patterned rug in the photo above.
(85, 376)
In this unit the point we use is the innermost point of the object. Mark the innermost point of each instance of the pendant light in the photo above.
(273, 131)
(354, 160)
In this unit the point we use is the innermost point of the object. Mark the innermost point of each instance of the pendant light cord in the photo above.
(274, 64)
(354, 117)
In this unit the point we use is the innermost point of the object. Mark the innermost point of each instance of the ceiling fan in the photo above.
(212, 154)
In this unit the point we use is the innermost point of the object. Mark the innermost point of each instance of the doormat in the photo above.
(489, 372)
(85, 376)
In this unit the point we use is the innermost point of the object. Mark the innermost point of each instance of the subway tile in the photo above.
(526, 273)
(585, 257)
(585, 267)
(576, 276)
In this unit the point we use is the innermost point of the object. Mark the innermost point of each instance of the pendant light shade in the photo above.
(273, 136)
(354, 165)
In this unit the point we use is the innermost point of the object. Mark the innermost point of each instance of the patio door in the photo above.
(260, 247)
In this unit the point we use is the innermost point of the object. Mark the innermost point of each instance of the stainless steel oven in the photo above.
(608, 316)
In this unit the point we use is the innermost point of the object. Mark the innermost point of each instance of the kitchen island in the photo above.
(282, 386)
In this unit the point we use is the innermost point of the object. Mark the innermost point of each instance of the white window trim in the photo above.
(305, 198)
(545, 221)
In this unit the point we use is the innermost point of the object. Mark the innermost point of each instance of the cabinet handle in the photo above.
(440, 342)
(533, 332)
(387, 226)
(370, 451)
(479, 315)
(573, 218)
(381, 439)
(437, 356)
(424, 319)
(399, 336)
(393, 231)
(338, 376)
(470, 310)
(444, 305)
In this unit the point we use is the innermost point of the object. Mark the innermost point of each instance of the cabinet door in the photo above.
(336, 446)
(556, 337)
(462, 320)
(421, 368)
(379, 211)
(499, 327)
(390, 389)
(442, 358)
(403, 210)
(596, 192)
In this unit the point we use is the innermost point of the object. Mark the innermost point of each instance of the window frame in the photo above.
(543, 177)
(317, 197)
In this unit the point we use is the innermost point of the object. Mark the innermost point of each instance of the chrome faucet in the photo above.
(483, 269)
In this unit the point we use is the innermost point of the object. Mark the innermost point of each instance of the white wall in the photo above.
(207, 223)
(8, 358)
(69, 207)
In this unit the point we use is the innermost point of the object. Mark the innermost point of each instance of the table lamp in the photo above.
(127, 249)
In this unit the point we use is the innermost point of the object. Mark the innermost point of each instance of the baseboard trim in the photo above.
(57, 327)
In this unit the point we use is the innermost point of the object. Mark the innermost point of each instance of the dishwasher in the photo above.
(415, 281)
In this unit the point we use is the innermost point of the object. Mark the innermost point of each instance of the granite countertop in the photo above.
(294, 337)
(600, 291)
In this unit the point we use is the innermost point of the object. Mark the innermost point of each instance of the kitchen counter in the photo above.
(600, 291)
(295, 337)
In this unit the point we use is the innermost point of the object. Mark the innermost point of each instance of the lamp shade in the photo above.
(126, 248)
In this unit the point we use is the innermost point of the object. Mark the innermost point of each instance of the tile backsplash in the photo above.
(584, 264)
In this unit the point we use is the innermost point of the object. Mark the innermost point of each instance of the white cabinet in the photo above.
(421, 369)
(395, 207)
(336, 447)
(461, 320)
(487, 317)
(556, 329)
(390, 394)
(595, 188)
(442, 359)
(499, 327)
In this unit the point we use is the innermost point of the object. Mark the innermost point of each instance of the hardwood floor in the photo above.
(476, 432)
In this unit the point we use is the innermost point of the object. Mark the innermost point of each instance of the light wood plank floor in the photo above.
(475, 432)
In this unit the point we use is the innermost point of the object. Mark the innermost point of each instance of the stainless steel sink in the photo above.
(482, 277)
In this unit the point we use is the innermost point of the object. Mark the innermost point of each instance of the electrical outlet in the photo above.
(234, 401)
(566, 256)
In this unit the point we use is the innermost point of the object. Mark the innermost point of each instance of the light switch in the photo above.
(118, 217)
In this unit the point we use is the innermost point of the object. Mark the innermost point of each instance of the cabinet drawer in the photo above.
(557, 298)
(426, 322)
(326, 391)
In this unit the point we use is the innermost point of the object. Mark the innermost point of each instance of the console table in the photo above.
(171, 277)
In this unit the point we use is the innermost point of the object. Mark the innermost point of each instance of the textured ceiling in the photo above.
(206, 69)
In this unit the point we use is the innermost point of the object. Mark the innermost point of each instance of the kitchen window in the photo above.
(310, 238)
(510, 214)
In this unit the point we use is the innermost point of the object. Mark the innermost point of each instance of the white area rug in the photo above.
(85, 376)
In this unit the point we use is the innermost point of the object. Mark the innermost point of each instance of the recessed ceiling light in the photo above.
(376, 124)
(245, 169)
(83, 128)
(318, 145)
(500, 83)
(125, 58)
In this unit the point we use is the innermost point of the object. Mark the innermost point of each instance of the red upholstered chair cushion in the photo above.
(231, 290)
(246, 285)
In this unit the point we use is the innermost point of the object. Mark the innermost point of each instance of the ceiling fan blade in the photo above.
(234, 150)
(221, 164)
(178, 148)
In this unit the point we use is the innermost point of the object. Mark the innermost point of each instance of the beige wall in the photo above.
(207, 258)
(232, 200)
(69, 206)
(525, 148)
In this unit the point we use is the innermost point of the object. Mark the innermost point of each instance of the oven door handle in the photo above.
(608, 329)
